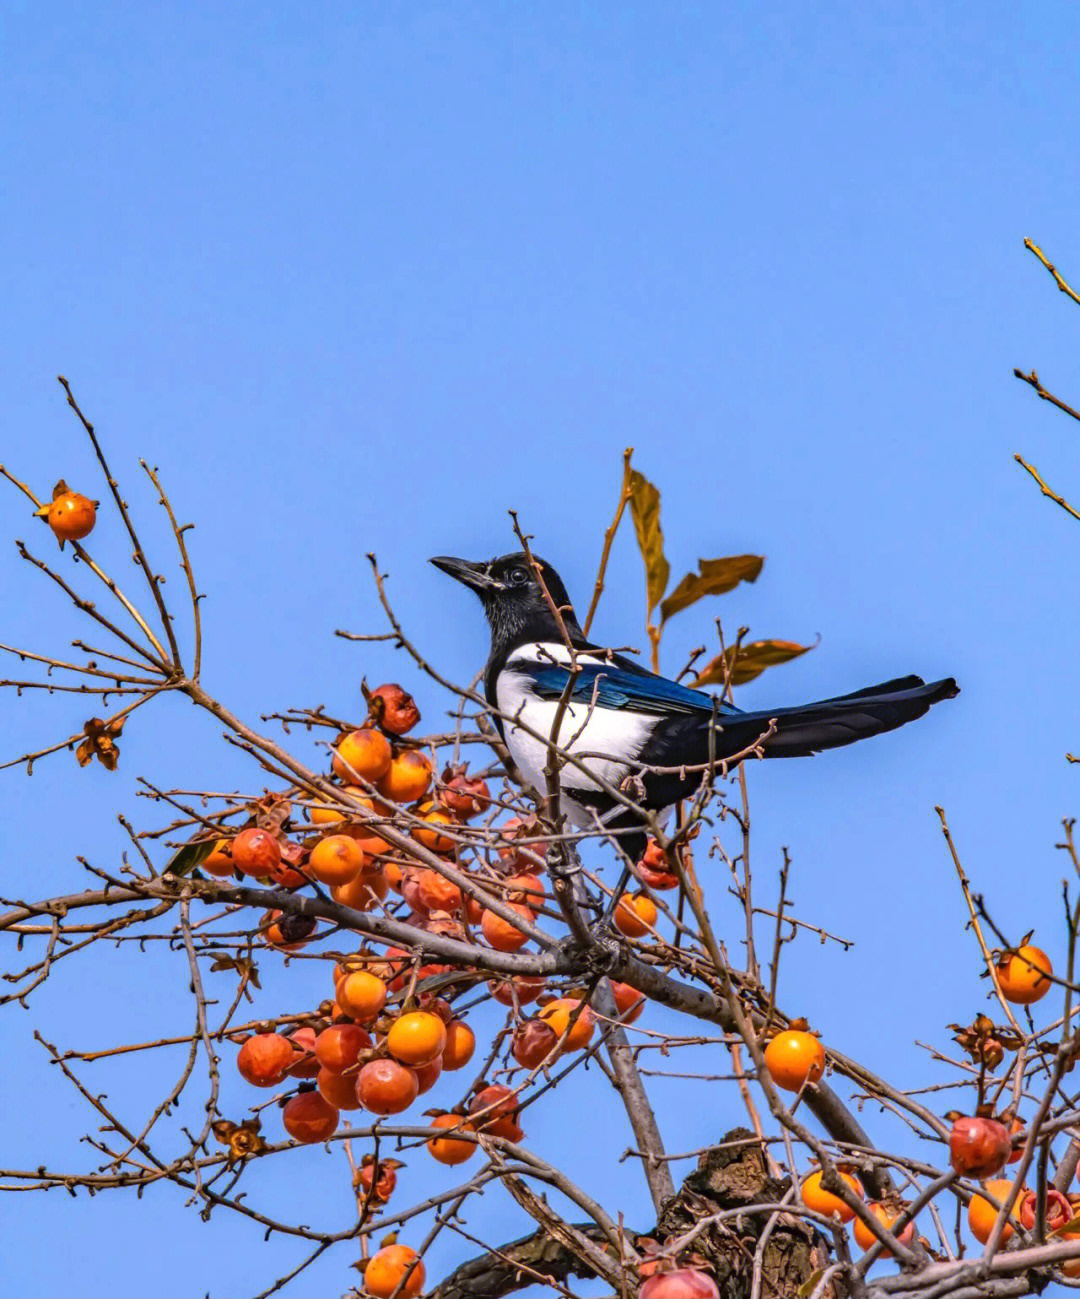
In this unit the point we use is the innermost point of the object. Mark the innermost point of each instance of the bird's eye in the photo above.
(518, 576)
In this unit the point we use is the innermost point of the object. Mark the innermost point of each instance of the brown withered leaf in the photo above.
(984, 1041)
(243, 1139)
(100, 742)
(645, 512)
(271, 811)
(240, 964)
(747, 662)
(714, 577)
(1071, 1053)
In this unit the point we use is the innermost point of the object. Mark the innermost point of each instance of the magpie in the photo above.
(623, 721)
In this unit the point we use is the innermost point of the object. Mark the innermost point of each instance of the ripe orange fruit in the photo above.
(408, 777)
(495, 1111)
(385, 1270)
(979, 1147)
(327, 815)
(361, 995)
(653, 870)
(1057, 1210)
(410, 890)
(357, 796)
(460, 1045)
(1016, 1125)
(865, 1238)
(815, 1197)
(393, 968)
(557, 1014)
(362, 755)
(337, 859)
(428, 833)
(533, 1042)
(373, 844)
(682, 1283)
(1022, 975)
(363, 892)
(338, 1047)
(287, 873)
(982, 1215)
(635, 915)
(220, 862)
(72, 516)
(452, 1150)
(416, 1037)
(794, 1057)
(526, 888)
(394, 871)
(386, 1087)
(628, 1001)
(394, 708)
(427, 1075)
(265, 1058)
(525, 987)
(256, 852)
(338, 1089)
(435, 892)
(473, 908)
(466, 796)
(501, 934)
(437, 1005)
(309, 1118)
(377, 1180)
(287, 932)
(304, 1064)
(520, 844)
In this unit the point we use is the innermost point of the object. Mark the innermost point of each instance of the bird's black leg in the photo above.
(631, 848)
(613, 901)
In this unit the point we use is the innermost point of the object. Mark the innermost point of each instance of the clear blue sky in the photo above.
(363, 277)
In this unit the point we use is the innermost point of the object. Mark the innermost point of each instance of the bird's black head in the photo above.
(513, 598)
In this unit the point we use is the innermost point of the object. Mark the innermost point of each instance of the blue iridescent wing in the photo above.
(616, 687)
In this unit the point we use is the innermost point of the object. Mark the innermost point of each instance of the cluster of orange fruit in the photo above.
(381, 1042)
(1059, 1211)
(346, 1068)
(980, 1146)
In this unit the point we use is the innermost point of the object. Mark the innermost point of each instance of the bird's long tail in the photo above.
(830, 723)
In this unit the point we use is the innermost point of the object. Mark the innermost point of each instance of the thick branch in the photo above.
(516, 1265)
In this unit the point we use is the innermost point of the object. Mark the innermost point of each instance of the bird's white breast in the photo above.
(615, 734)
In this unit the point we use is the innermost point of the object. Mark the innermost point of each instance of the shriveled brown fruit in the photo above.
(393, 708)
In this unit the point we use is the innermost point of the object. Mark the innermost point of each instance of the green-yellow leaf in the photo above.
(1070, 1228)
(810, 1284)
(645, 511)
(748, 661)
(190, 855)
(714, 577)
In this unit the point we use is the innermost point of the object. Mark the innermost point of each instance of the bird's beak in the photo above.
(471, 575)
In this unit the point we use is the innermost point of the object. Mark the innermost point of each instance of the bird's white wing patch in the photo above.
(617, 735)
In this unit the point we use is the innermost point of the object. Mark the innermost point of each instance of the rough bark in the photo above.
(515, 1266)
(727, 1177)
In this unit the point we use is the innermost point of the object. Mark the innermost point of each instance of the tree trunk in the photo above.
(728, 1176)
